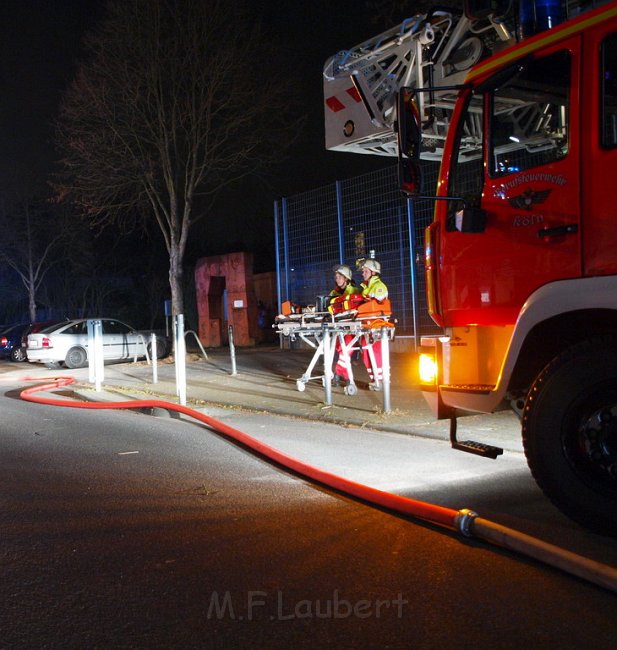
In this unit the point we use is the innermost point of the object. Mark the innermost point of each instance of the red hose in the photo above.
(464, 521)
(433, 513)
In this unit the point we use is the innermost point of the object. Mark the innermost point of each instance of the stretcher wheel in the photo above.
(300, 385)
(352, 389)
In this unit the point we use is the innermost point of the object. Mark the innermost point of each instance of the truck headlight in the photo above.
(427, 367)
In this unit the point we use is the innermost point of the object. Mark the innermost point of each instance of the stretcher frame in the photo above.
(322, 330)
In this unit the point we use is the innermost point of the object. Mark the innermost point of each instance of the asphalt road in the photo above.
(122, 530)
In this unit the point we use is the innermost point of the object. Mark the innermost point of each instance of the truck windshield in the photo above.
(529, 116)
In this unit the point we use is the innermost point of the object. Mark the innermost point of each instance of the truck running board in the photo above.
(471, 447)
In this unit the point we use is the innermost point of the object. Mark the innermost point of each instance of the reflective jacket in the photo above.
(340, 300)
(375, 288)
(375, 295)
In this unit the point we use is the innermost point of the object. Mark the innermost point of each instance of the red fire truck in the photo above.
(521, 258)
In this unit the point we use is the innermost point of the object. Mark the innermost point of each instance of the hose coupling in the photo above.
(463, 520)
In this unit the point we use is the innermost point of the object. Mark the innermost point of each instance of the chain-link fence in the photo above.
(361, 217)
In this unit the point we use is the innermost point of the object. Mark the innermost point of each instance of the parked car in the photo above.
(10, 341)
(67, 343)
(20, 352)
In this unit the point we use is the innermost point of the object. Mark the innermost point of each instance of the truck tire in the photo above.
(570, 433)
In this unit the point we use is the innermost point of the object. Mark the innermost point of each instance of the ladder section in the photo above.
(427, 50)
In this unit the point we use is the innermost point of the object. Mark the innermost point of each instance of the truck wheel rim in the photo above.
(591, 449)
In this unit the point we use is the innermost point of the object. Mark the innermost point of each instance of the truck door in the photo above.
(526, 182)
(599, 150)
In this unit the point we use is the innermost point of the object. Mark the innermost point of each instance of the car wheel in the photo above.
(18, 354)
(76, 358)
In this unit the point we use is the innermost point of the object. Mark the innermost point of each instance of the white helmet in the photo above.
(372, 265)
(344, 270)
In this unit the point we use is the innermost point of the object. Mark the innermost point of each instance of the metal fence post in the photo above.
(286, 248)
(401, 307)
(339, 215)
(412, 270)
(277, 249)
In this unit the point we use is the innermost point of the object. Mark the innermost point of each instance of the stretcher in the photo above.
(322, 331)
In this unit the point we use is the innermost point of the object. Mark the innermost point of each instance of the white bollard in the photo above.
(153, 351)
(96, 367)
(232, 350)
(385, 364)
(328, 357)
(180, 360)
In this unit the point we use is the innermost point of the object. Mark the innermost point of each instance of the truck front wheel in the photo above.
(570, 433)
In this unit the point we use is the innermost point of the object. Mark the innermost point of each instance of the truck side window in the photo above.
(529, 116)
(467, 168)
(609, 92)
(466, 171)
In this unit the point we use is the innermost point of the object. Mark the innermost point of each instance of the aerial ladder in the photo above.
(434, 51)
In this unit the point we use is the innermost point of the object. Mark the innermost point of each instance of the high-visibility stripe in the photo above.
(334, 104)
(354, 94)
(552, 36)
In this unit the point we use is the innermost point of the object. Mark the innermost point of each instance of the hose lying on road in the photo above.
(464, 521)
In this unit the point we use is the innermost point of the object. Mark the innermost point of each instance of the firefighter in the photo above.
(343, 297)
(345, 286)
(373, 289)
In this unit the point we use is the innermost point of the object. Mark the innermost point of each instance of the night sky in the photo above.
(40, 42)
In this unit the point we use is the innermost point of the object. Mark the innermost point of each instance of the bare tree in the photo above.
(31, 240)
(175, 101)
(86, 284)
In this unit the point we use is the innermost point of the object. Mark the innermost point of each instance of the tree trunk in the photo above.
(175, 282)
(31, 288)
(32, 306)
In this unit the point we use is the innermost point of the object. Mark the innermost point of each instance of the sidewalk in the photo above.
(266, 382)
